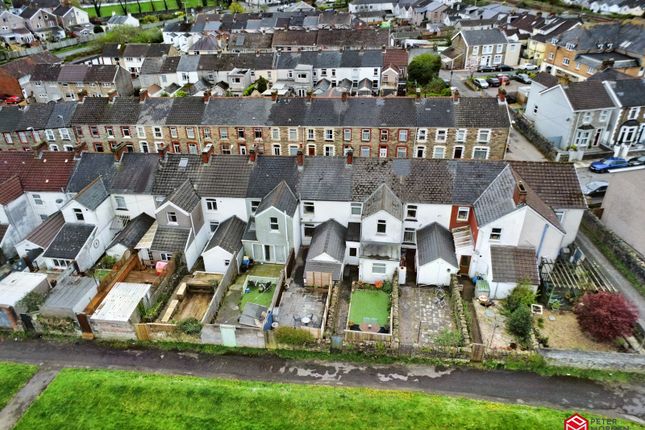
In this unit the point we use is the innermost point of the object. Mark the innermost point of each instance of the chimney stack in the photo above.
(300, 160)
(520, 193)
(310, 96)
(163, 151)
(501, 96)
(78, 150)
(207, 152)
(143, 95)
(455, 95)
(252, 155)
(207, 96)
(349, 158)
(344, 96)
(112, 96)
(118, 152)
(274, 96)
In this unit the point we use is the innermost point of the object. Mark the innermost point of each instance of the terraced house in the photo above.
(440, 127)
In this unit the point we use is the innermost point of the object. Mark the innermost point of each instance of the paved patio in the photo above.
(299, 302)
(421, 318)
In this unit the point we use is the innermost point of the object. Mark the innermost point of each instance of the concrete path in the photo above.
(616, 278)
(502, 386)
(11, 413)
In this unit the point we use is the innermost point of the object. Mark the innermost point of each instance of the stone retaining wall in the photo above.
(594, 360)
(525, 127)
(457, 308)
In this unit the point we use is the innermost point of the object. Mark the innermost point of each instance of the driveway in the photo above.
(503, 386)
(458, 77)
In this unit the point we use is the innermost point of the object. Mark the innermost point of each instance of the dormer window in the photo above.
(78, 213)
(172, 217)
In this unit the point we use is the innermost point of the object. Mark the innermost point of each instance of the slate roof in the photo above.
(587, 36)
(354, 38)
(69, 241)
(133, 231)
(281, 198)
(514, 264)
(434, 241)
(546, 79)
(206, 43)
(557, 184)
(294, 38)
(228, 235)
(328, 238)
(45, 233)
(497, 200)
(154, 111)
(588, 95)
(185, 197)
(61, 115)
(226, 62)
(250, 41)
(630, 92)
(89, 167)
(93, 194)
(170, 239)
(16, 118)
(26, 65)
(330, 59)
(327, 178)
(101, 73)
(135, 174)
(50, 172)
(383, 199)
(186, 111)
(46, 72)
(353, 232)
(268, 172)
(490, 36)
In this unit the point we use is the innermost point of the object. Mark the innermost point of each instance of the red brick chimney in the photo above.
(143, 95)
(300, 160)
(112, 96)
(274, 96)
(519, 195)
(344, 96)
(118, 152)
(455, 95)
(349, 158)
(207, 153)
(163, 151)
(207, 96)
(501, 96)
(252, 155)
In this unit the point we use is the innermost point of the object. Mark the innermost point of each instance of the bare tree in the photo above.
(139, 6)
(124, 6)
(97, 7)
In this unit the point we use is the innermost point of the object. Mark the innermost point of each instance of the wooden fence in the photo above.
(220, 292)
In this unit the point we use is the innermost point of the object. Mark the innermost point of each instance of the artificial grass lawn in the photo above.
(255, 296)
(101, 399)
(12, 378)
(370, 304)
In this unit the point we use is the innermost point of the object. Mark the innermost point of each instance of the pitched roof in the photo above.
(3, 230)
(228, 235)
(490, 36)
(45, 233)
(69, 241)
(434, 241)
(281, 198)
(26, 65)
(185, 197)
(328, 238)
(588, 95)
(383, 199)
(328, 179)
(546, 79)
(630, 92)
(93, 194)
(135, 174)
(170, 239)
(133, 231)
(10, 190)
(556, 184)
(268, 172)
(50, 172)
(89, 167)
(514, 264)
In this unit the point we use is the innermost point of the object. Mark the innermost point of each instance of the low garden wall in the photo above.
(525, 127)
(457, 308)
(355, 336)
(594, 360)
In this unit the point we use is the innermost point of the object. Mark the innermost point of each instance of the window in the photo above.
(480, 153)
(495, 233)
(192, 148)
(254, 205)
(49, 135)
(357, 208)
(308, 207)
(37, 199)
(347, 134)
(382, 151)
(403, 135)
(257, 133)
(311, 134)
(565, 61)
(309, 230)
(165, 256)
(226, 149)
(223, 133)
(441, 135)
(157, 132)
(582, 138)
(329, 134)
(242, 149)
(141, 132)
(293, 150)
(381, 226)
(53, 147)
(190, 132)
(366, 151)
(475, 50)
(329, 150)
(276, 149)
(120, 203)
(411, 212)
(365, 135)
(483, 135)
(64, 134)
(604, 115)
(353, 252)
(551, 55)
(378, 268)
(227, 262)
(22, 136)
(499, 48)
(586, 117)
(79, 214)
(409, 235)
(172, 217)
(275, 133)
(401, 152)
(422, 134)
(384, 135)
(98, 147)
(273, 224)
(125, 132)
(60, 263)
(633, 112)
(173, 132)
(487, 49)
(293, 134)
(462, 213)
(439, 152)
(578, 65)
(461, 135)
(497, 59)
(213, 225)
(211, 204)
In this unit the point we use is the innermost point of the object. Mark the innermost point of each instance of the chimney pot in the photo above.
(118, 152)
(520, 193)
(455, 95)
(207, 96)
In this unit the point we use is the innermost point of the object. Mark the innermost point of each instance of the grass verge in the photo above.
(115, 399)
(12, 378)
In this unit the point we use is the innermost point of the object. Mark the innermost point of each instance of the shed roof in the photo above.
(514, 264)
(228, 235)
(328, 238)
(17, 285)
(434, 241)
(121, 302)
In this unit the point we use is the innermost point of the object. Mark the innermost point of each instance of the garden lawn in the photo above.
(12, 378)
(255, 296)
(370, 304)
(145, 7)
(100, 399)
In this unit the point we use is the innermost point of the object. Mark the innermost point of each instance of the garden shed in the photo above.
(69, 297)
(436, 258)
(15, 287)
(120, 309)
(325, 259)
(225, 246)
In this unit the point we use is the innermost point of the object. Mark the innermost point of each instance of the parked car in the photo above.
(480, 82)
(493, 82)
(595, 188)
(607, 164)
(12, 100)
(523, 77)
(528, 66)
(504, 79)
(637, 161)
(485, 69)
(504, 68)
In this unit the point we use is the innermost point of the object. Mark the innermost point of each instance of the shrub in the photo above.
(387, 287)
(149, 19)
(520, 324)
(294, 336)
(261, 84)
(32, 301)
(107, 262)
(448, 338)
(190, 326)
(424, 68)
(606, 316)
(521, 296)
